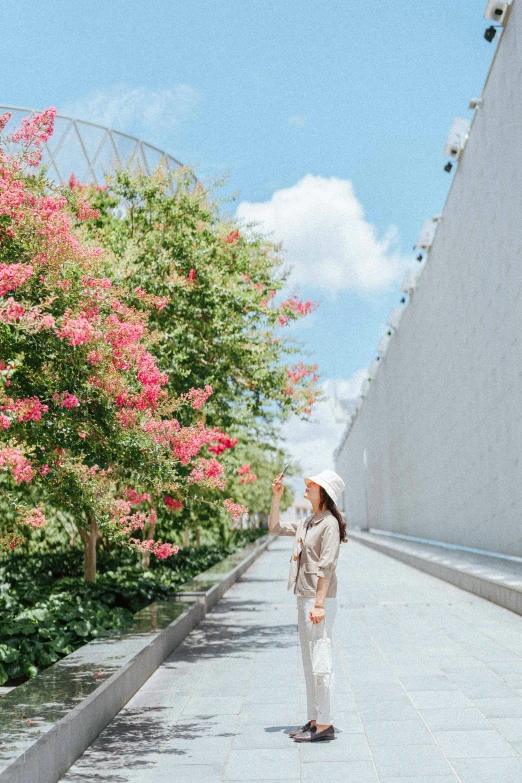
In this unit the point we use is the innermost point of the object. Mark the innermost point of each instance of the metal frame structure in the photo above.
(89, 151)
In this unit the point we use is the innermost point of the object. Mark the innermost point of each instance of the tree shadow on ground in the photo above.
(222, 640)
(131, 742)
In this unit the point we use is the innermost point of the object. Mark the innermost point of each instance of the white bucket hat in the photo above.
(330, 481)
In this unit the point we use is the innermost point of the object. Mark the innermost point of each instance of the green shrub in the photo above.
(47, 610)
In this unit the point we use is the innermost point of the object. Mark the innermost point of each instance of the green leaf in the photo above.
(3, 675)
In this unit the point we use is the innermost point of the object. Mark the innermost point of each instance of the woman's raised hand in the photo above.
(277, 486)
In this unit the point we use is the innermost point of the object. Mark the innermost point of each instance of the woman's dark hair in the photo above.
(327, 502)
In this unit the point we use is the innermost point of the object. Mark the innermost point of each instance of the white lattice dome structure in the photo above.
(89, 151)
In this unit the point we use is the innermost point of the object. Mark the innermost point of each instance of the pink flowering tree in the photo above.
(89, 424)
(225, 322)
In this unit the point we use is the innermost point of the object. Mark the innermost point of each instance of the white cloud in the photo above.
(136, 109)
(326, 237)
(312, 443)
(298, 121)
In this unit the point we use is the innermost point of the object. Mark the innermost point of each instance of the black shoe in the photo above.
(312, 735)
(306, 727)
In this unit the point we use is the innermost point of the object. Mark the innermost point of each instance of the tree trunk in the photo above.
(89, 539)
(198, 536)
(145, 557)
(186, 537)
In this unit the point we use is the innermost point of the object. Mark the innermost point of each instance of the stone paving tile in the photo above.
(426, 700)
(500, 708)
(426, 677)
(423, 779)
(510, 728)
(454, 719)
(387, 710)
(249, 736)
(328, 772)
(474, 744)
(191, 773)
(259, 764)
(396, 760)
(507, 770)
(213, 705)
(395, 732)
(351, 747)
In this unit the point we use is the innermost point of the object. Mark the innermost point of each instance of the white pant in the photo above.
(318, 689)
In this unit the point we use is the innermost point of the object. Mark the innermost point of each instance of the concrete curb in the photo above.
(49, 758)
(496, 592)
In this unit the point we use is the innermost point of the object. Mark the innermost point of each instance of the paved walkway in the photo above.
(429, 688)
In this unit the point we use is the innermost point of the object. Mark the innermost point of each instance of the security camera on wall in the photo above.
(457, 137)
(427, 234)
(383, 344)
(409, 281)
(496, 11)
(395, 317)
(475, 103)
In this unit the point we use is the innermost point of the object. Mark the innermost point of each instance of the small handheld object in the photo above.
(280, 476)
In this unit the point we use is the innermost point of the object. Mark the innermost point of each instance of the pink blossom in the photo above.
(21, 468)
(123, 333)
(85, 211)
(232, 238)
(36, 129)
(82, 434)
(191, 275)
(96, 282)
(160, 302)
(297, 307)
(4, 119)
(29, 409)
(12, 276)
(12, 311)
(159, 550)
(47, 322)
(66, 400)
(172, 502)
(300, 371)
(76, 331)
(198, 397)
(246, 476)
(136, 497)
(5, 422)
(221, 441)
(34, 518)
(94, 357)
(127, 417)
(208, 472)
(188, 441)
(235, 510)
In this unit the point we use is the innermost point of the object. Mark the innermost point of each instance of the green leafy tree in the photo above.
(86, 413)
(221, 325)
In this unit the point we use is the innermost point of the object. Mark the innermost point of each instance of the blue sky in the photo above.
(330, 119)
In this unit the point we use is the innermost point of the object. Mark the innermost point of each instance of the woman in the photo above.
(312, 575)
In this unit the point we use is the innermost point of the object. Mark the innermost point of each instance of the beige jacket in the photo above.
(316, 549)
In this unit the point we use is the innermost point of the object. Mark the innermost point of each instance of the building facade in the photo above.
(435, 450)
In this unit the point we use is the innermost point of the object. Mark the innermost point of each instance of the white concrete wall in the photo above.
(442, 422)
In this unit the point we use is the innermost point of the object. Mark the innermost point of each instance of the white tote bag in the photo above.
(321, 652)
